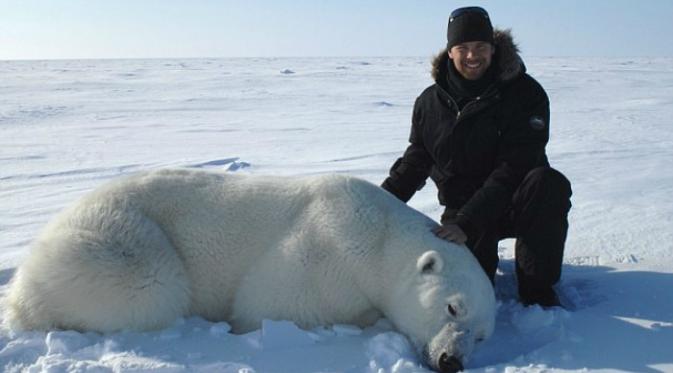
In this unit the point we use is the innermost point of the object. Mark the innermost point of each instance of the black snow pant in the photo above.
(538, 219)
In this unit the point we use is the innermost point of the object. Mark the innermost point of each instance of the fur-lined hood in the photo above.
(507, 58)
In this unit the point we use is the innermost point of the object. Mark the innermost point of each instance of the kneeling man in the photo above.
(480, 133)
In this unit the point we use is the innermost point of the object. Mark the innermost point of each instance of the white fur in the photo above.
(142, 251)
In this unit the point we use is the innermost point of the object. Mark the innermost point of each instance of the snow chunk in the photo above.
(235, 166)
(392, 352)
(130, 361)
(63, 342)
(215, 163)
(220, 329)
(227, 367)
(626, 258)
(346, 330)
(232, 164)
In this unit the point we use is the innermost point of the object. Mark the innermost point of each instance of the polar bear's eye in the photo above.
(452, 311)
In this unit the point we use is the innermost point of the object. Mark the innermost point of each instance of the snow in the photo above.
(69, 126)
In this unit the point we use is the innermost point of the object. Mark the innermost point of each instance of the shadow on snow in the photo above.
(614, 320)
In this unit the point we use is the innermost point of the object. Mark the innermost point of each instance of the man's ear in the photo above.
(430, 263)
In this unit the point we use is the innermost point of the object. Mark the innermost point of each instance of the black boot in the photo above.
(544, 297)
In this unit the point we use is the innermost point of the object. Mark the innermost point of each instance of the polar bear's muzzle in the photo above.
(449, 364)
(448, 350)
(445, 363)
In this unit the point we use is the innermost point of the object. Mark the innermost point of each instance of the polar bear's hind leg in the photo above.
(104, 272)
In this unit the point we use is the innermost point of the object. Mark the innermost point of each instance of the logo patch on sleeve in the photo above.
(537, 122)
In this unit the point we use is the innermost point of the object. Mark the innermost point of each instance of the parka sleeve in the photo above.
(408, 173)
(522, 148)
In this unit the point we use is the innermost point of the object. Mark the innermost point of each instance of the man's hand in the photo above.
(451, 232)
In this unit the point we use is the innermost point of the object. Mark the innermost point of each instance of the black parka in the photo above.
(479, 155)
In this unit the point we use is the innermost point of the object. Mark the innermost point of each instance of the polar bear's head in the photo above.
(444, 303)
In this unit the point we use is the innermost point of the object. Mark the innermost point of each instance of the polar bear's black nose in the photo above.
(449, 364)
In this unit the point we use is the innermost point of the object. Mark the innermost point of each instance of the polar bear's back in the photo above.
(196, 207)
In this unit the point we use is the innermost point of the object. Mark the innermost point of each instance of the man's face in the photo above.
(472, 58)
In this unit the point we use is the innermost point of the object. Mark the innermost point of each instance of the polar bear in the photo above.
(144, 250)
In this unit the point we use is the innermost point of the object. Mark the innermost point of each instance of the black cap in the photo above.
(469, 24)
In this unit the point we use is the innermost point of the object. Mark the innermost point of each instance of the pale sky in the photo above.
(51, 29)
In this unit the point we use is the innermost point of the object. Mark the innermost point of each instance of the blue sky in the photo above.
(48, 29)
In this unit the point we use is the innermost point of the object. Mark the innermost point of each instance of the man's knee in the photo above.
(550, 183)
(548, 177)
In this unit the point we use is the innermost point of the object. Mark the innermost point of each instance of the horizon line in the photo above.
(297, 57)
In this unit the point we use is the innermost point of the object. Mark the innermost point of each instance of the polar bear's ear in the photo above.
(430, 262)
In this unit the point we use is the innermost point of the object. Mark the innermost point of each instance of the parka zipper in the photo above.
(476, 99)
(460, 112)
